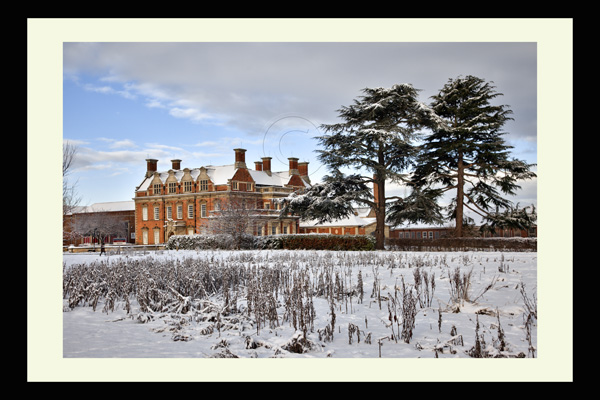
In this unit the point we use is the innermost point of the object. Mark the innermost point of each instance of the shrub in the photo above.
(314, 241)
(208, 242)
(463, 244)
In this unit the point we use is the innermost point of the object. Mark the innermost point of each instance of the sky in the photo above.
(124, 102)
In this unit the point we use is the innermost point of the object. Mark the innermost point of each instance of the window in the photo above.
(145, 213)
(156, 213)
(172, 187)
(274, 230)
(156, 236)
(430, 235)
(145, 236)
(285, 230)
(234, 185)
(156, 188)
(179, 211)
(267, 206)
(218, 205)
(250, 186)
(190, 211)
(187, 186)
(203, 210)
(190, 231)
(203, 185)
(169, 212)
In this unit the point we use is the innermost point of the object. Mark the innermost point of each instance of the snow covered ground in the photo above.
(82, 345)
(500, 283)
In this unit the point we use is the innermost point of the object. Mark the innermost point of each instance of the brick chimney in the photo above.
(150, 166)
(240, 158)
(266, 163)
(176, 164)
(258, 165)
(303, 168)
(293, 162)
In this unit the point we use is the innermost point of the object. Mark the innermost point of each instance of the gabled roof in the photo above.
(220, 174)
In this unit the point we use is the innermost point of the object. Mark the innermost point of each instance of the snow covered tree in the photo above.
(375, 138)
(467, 154)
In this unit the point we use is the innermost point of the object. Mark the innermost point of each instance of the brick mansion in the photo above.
(181, 201)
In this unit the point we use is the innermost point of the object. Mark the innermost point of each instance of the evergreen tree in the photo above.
(376, 139)
(467, 154)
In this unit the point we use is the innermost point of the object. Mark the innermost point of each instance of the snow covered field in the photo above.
(83, 345)
(493, 317)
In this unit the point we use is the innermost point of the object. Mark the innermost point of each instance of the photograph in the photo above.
(368, 205)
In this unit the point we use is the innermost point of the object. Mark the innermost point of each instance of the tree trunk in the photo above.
(459, 197)
(380, 214)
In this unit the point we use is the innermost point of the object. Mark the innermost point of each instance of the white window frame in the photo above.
(169, 212)
(145, 236)
(190, 211)
(156, 236)
(203, 210)
(156, 213)
(145, 213)
(179, 211)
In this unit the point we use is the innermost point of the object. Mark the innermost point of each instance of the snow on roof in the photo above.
(352, 220)
(128, 205)
(219, 175)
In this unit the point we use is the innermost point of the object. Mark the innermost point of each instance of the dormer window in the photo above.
(234, 185)
(156, 188)
(172, 187)
(187, 186)
(203, 185)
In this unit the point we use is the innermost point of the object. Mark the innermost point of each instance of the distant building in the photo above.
(123, 210)
(184, 201)
(362, 222)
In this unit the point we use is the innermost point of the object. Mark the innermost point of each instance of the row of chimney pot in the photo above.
(295, 167)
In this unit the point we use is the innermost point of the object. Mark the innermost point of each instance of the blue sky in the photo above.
(197, 101)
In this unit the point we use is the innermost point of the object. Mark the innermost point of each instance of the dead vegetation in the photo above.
(245, 293)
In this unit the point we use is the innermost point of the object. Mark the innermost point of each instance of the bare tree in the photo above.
(237, 217)
(70, 198)
(98, 225)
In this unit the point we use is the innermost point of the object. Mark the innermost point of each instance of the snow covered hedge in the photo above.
(208, 242)
(310, 241)
(463, 244)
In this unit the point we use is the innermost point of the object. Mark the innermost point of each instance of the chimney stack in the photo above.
(293, 161)
(176, 164)
(303, 168)
(258, 165)
(240, 158)
(150, 166)
(266, 163)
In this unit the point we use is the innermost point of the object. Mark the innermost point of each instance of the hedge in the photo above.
(208, 242)
(291, 242)
(462, 244)
(316, 241)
